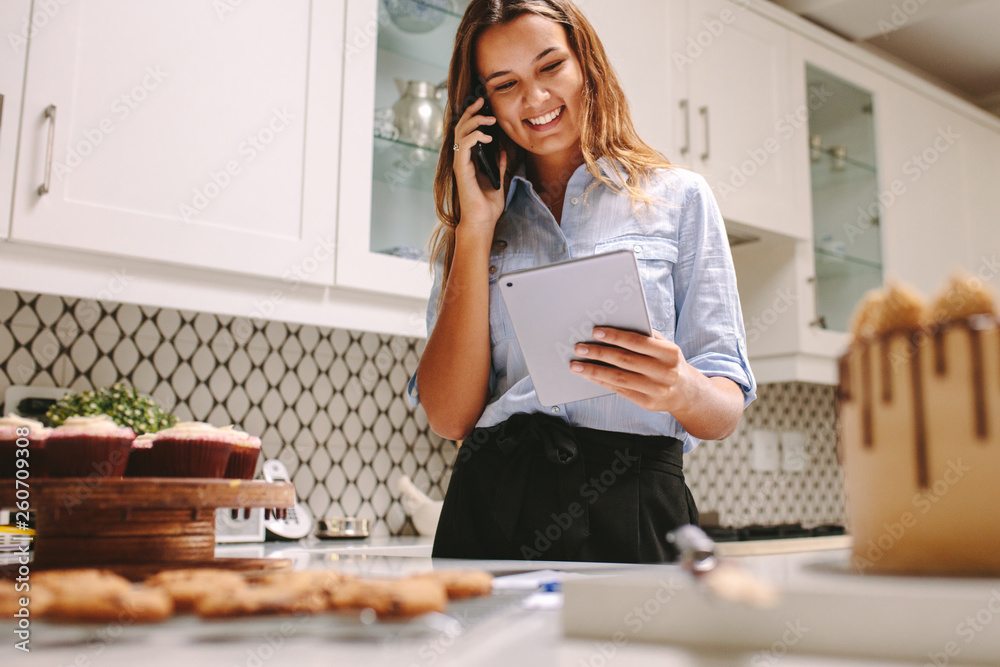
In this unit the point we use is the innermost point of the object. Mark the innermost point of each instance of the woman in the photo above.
(599, 479)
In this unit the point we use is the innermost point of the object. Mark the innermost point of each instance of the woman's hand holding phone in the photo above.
(481, 204)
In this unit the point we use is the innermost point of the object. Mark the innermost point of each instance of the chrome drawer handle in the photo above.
(50, 113)
(704, 112)
(687, 127)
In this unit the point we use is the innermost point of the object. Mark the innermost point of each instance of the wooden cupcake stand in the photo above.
(138, 526)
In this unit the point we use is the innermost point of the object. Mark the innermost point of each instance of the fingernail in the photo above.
(576, 367)
(598, 333)
(582, 349)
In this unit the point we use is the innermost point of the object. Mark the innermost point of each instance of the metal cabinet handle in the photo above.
(704, 112)
(687, 127)
(50, 113)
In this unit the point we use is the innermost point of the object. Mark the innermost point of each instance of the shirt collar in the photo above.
(611, 168)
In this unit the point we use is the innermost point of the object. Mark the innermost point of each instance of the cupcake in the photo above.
(191, 449)
(30, 434)
(88, 447)
(139, 464)
(246, 450)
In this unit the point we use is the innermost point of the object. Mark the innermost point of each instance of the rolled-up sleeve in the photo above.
(710, 328)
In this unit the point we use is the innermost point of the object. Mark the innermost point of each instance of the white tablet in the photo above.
(555, 307)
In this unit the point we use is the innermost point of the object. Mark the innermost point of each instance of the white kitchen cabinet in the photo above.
(16, 25)
(924, 191)
(192, 133)
(982, 178)
(737, 116)
(634, 37)
(788, 289)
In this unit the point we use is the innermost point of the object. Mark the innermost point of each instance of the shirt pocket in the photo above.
(500, 263)
(656, 258)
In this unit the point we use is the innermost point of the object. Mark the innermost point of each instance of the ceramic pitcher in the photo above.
(419, 114)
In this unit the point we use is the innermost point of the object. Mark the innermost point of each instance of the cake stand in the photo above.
(138, 526)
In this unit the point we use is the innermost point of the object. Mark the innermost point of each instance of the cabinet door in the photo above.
(634, 35)
(15, 23)
(923, 187)
(187, 132)
(982, 156)
(747, 115)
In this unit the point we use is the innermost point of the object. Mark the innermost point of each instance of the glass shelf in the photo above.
(831, 264)
(841, 283)
(399, 164)
(824, 175)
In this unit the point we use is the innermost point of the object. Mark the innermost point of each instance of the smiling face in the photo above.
(534, 82)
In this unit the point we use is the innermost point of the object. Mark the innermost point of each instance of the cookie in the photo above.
(261, 601)
(186, 587)
(411, 596)
(461, 584)
(139, 605)
(325, 582)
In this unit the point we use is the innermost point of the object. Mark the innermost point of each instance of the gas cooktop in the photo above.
(776, 532)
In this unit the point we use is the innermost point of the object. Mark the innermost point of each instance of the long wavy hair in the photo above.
(606, 127)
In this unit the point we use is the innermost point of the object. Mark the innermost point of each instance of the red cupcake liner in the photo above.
(189, 457)
(87, 456)
(242, 463)
(140, 463)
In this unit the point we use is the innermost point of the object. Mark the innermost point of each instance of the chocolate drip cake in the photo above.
(919, 404)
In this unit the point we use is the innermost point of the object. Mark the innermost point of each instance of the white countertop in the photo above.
(514, 636)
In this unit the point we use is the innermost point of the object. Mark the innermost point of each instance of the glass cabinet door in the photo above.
(415, 41)
(396, 59)
(845, 205)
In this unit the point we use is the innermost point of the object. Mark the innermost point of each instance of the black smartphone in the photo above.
(487, 156)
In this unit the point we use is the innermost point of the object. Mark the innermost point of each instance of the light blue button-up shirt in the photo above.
(687, 276)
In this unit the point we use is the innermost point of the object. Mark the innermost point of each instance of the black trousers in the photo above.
(537, 488)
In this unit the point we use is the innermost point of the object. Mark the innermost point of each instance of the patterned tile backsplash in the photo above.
(722, 479)
(330, 404)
